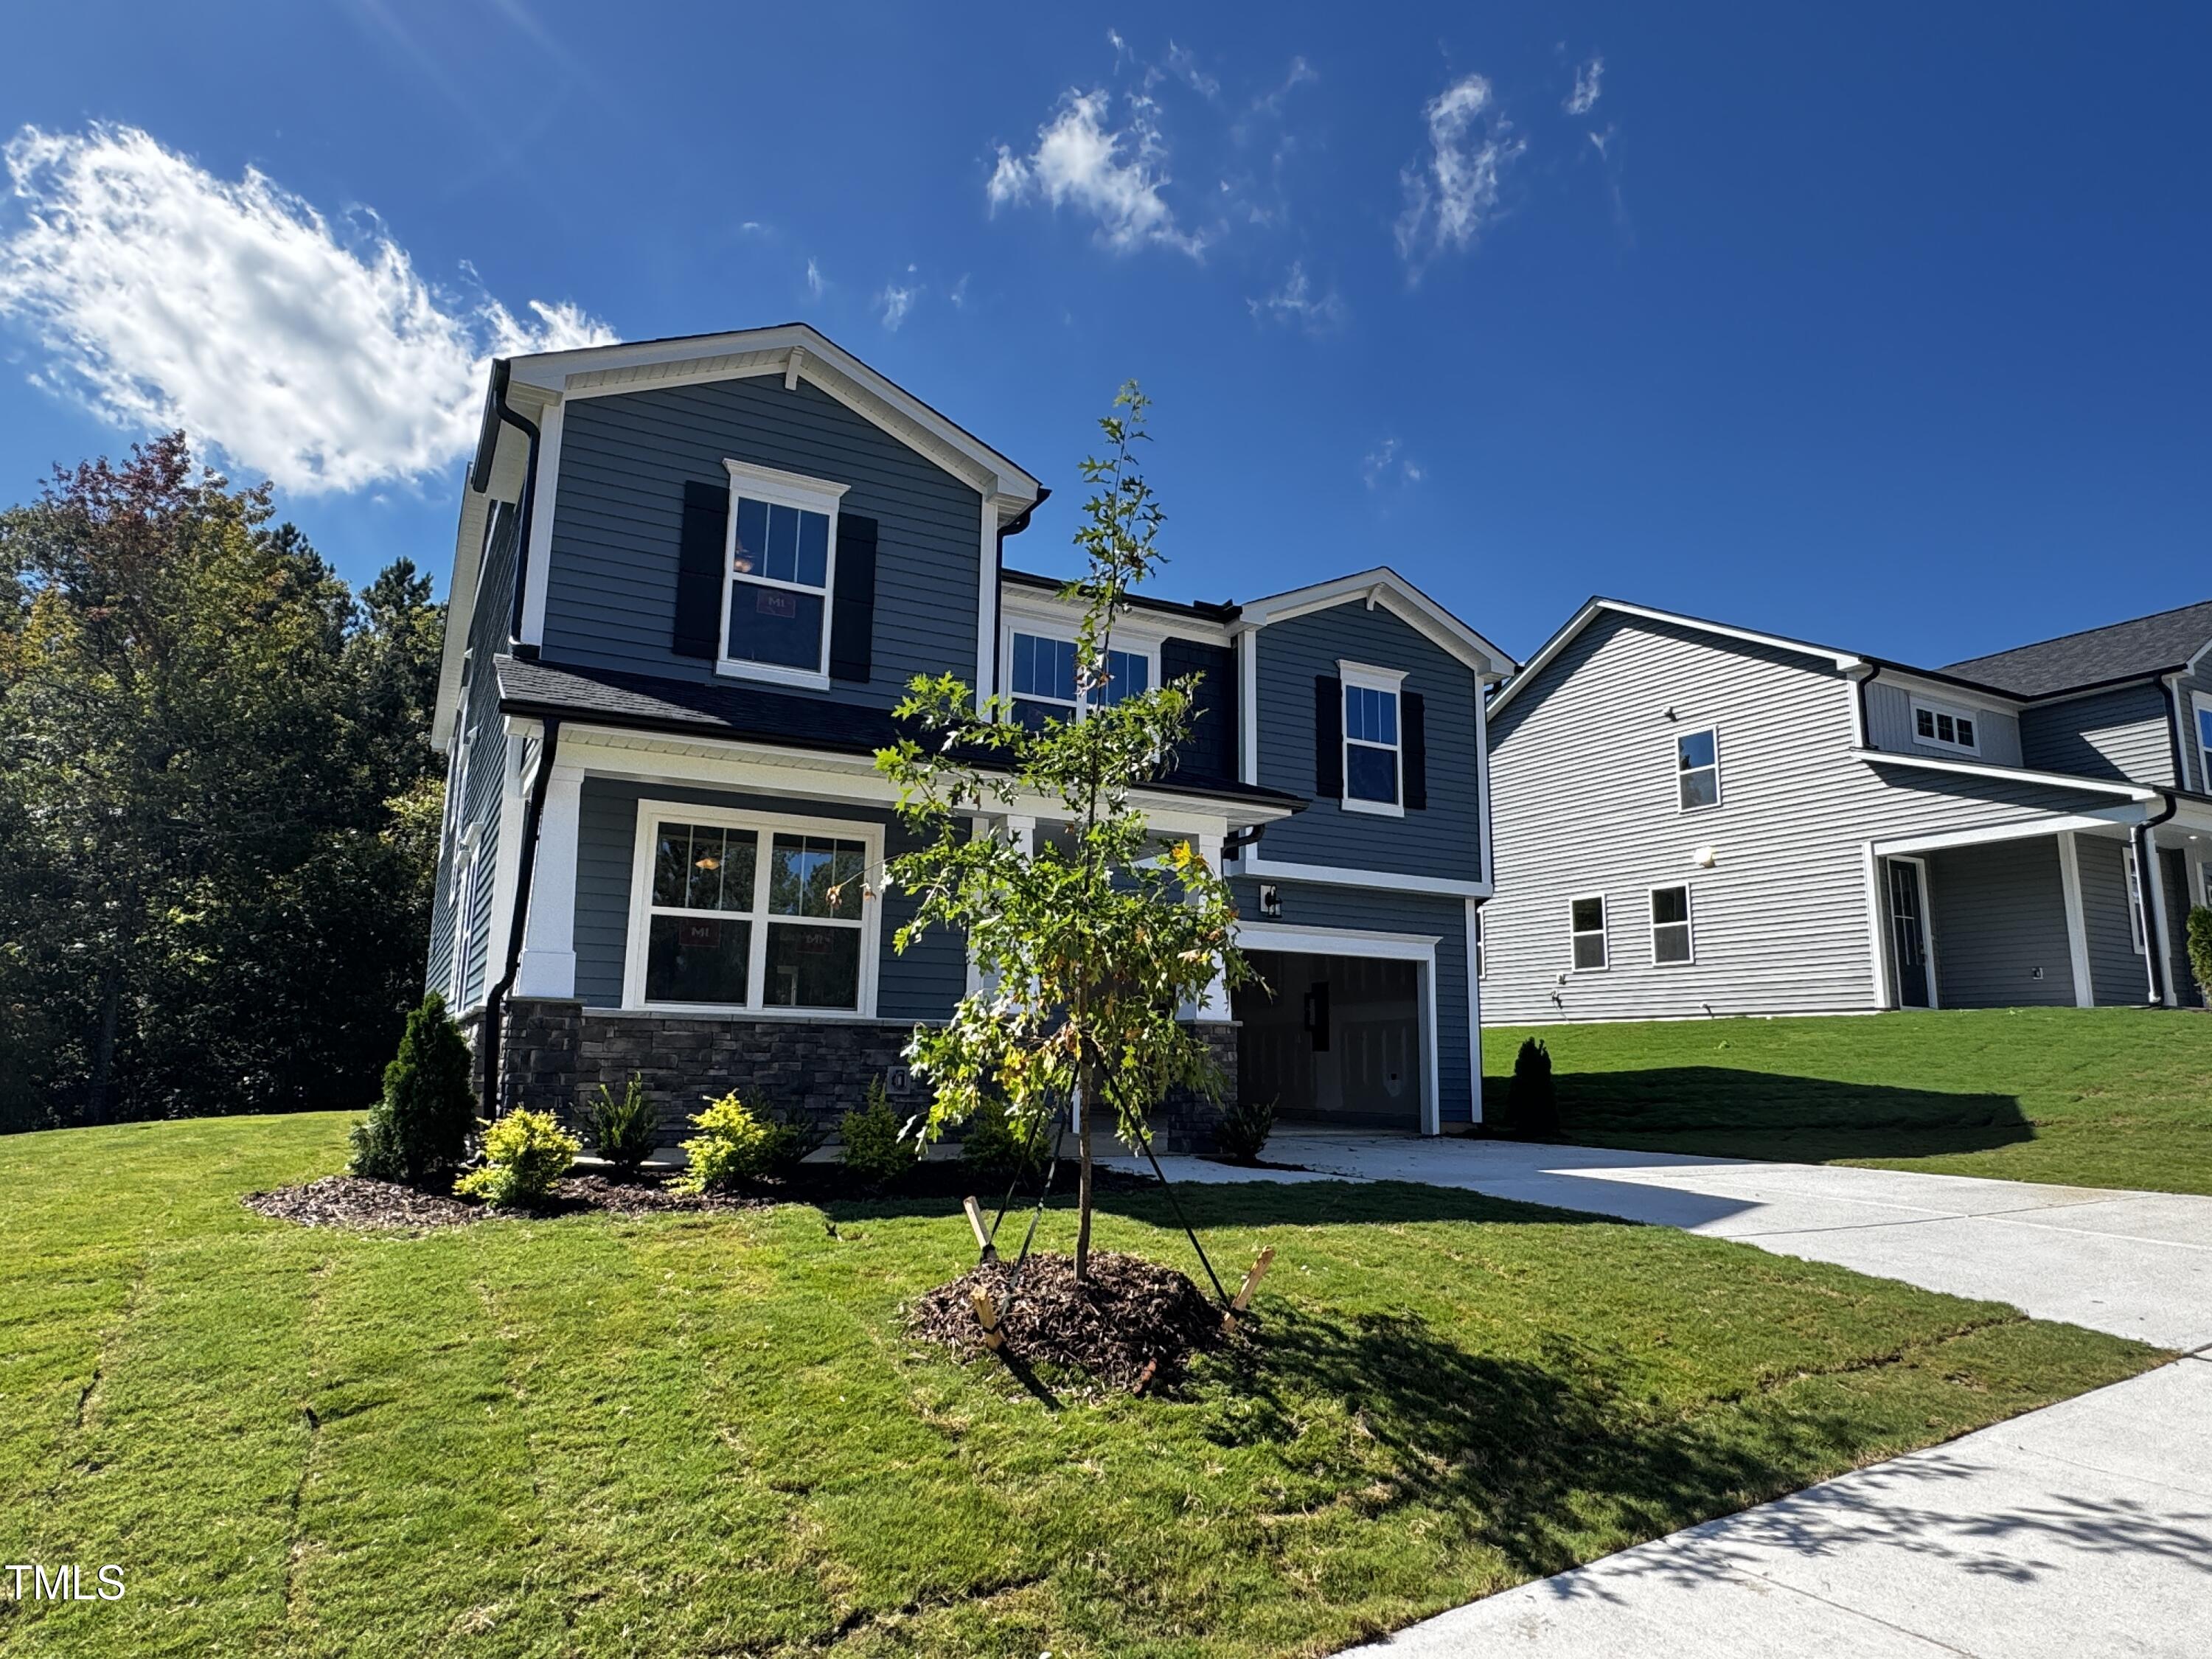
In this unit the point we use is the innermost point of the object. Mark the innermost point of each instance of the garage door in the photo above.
(1332, 1039)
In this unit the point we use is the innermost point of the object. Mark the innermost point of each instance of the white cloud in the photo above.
(959, 294)
(1183, 63)
(1114, 176)
(1449, 200)
(1584, 98)
(1386, 463)
(815, 284)
(896, 300)
(1296, 303)
(163, 296)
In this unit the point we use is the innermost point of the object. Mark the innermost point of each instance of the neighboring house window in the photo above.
(783, 563)
(2203, 707)
(1586, 922)
(753, 914)
(1698, 768)
(1373, 770)
(464, 909)
(1670, 926)
(2135, 901)
(1945, 728)
(1043, 678)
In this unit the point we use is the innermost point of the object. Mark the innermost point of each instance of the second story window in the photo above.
(783, 561)
(2201, 706)
(1043, 678)
(1372, 750)
(1944, 728)
(1698, 768)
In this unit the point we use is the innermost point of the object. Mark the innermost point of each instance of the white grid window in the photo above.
(1945, 728)
(1041, 676)
(1698, 768)
(1671, 942)
(1586, 929)
(1374, 772)
(781, 569)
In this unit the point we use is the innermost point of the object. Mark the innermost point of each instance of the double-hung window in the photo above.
(745, 913)
(1373, 752)
(782, 545)
(1944, 728)
(1043, 678)
(2201, 706)
(1670, 926)
(1698, 768)
(2134, 900)
(1586, 927)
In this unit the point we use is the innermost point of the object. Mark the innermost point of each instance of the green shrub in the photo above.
(524, 1153)
(2200, 947)
(1243, 1130)
(421, 1128)
(794, 1138)
(734, 1145)
(997, 1147)
(875, 1149)
(624, 1129)
(1532, 1106)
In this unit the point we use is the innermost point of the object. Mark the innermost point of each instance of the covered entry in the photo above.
(1342, 1028)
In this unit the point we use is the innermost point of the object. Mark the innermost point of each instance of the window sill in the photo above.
(772, 675)
(1381, 808)
(732, 1010)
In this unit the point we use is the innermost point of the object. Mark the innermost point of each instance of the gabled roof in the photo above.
(1386, 587)
(2135, 649)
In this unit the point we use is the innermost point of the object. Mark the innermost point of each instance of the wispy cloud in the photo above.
(1584, 98)
(1295, 305)
(815, 282)
(1299, 74)
(1112, 174)
(1183, 63)
(1389, 464)
(1454, 193)
(162, 296)
(896, 300)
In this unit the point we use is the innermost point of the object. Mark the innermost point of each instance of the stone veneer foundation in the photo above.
(557, 1053)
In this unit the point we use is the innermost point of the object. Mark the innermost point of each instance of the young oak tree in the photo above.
(1090, 939)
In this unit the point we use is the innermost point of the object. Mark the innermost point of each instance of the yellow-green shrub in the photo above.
(735, 1144)
(524, 1153)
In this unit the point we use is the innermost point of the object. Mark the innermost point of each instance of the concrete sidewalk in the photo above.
(2082, 1529)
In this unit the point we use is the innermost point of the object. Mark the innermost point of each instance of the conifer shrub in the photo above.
(877, 1150)
(420, 1129)
(1243, 1130)
(2200, 947)
(524, 1153)
(624, 1129)
(1532, 1106)
(996, 1147)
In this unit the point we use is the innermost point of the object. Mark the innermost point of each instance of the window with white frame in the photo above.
(782, 545)
(1586, 927)
(2135, 901)
(2202, 707)
(1475, 939)
(1671, 942)
(1373, 758)
(466, 907)
(1945, 728)
(1698, 768)
(1041, 673)
(745, 913)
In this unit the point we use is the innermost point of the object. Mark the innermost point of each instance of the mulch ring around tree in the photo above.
(1133, 1325)
(342, 1200)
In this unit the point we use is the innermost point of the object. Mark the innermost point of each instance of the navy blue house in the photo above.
(691, 579)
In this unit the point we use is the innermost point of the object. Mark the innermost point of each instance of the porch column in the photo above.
(1213, 1003)
(548, 967)
(2077, 930)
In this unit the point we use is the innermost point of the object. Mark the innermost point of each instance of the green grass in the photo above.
(708, 1434)
(2085, 1096)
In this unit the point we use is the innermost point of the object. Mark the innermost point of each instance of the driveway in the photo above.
(2084, 1529)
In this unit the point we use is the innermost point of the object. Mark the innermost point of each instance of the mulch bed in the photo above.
(1134, 1325)
(342, 1201)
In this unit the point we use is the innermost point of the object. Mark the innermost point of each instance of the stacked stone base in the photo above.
(557, 1054)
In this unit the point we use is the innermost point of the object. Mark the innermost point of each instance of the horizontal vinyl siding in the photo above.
(1890, 726)
(2123, 733)
(618, 510)
(1582, 775)
(922, 984)
(1445, 840)
(1308, 905)
(1999, 911)
(2116, 974)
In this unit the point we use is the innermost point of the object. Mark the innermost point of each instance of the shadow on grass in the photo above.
(1239, 1204)
(1730, 1112)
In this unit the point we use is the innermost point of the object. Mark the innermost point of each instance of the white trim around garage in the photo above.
(1331, 875)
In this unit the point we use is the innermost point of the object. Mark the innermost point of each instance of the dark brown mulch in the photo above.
(342, 1201)
(1134, 1324)
(641, 1194)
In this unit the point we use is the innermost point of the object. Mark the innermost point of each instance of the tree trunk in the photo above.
(1083, 1179)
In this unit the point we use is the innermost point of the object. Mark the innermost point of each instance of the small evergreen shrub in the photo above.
(875, 1149)
(2200, 947)
(794, 1138)
(624, 1129)
(421, 1128)
(734, 1145)
(1532, 1106)
(1243, 1130)
(998, 1148)
(524, 1153)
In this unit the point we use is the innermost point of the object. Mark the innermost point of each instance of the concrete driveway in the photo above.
(2082, 1529)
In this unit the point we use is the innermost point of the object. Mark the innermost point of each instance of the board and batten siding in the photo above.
(618, 512)
(924, 983)
(2125, 732)
(1890, 723)
(1445, 840)
(1999, 914)
(479, 741)
(1310, 904)
(1584, 778)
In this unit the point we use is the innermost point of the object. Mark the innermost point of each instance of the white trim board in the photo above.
(1331, 875)
(2025, 829)
(1382, 586)
(2135, 792)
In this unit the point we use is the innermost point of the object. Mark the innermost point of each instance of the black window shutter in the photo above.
(1413, 733)
(852, 608)
(699, 569)
(1329, 737)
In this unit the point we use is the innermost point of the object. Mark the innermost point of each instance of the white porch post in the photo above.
(1475, 1007)
(2077, 931)
(548, 967)
(1214, 1003)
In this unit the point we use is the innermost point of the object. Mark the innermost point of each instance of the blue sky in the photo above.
(1887, 328)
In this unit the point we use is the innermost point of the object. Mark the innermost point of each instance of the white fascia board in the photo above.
(1336, 875)
(1337, 941)
(2118, 820)
(1019, 601)
(510, 459)
(2135, 792)
(1385, 586)
(1937, 690)
(1846, 662)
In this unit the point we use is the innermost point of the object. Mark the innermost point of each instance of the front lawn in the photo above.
(708, 1433)
(2086, 1097)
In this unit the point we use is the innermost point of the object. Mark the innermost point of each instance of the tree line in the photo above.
(219, 808)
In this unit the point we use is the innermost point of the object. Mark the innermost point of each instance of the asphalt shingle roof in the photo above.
(2144, 645)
